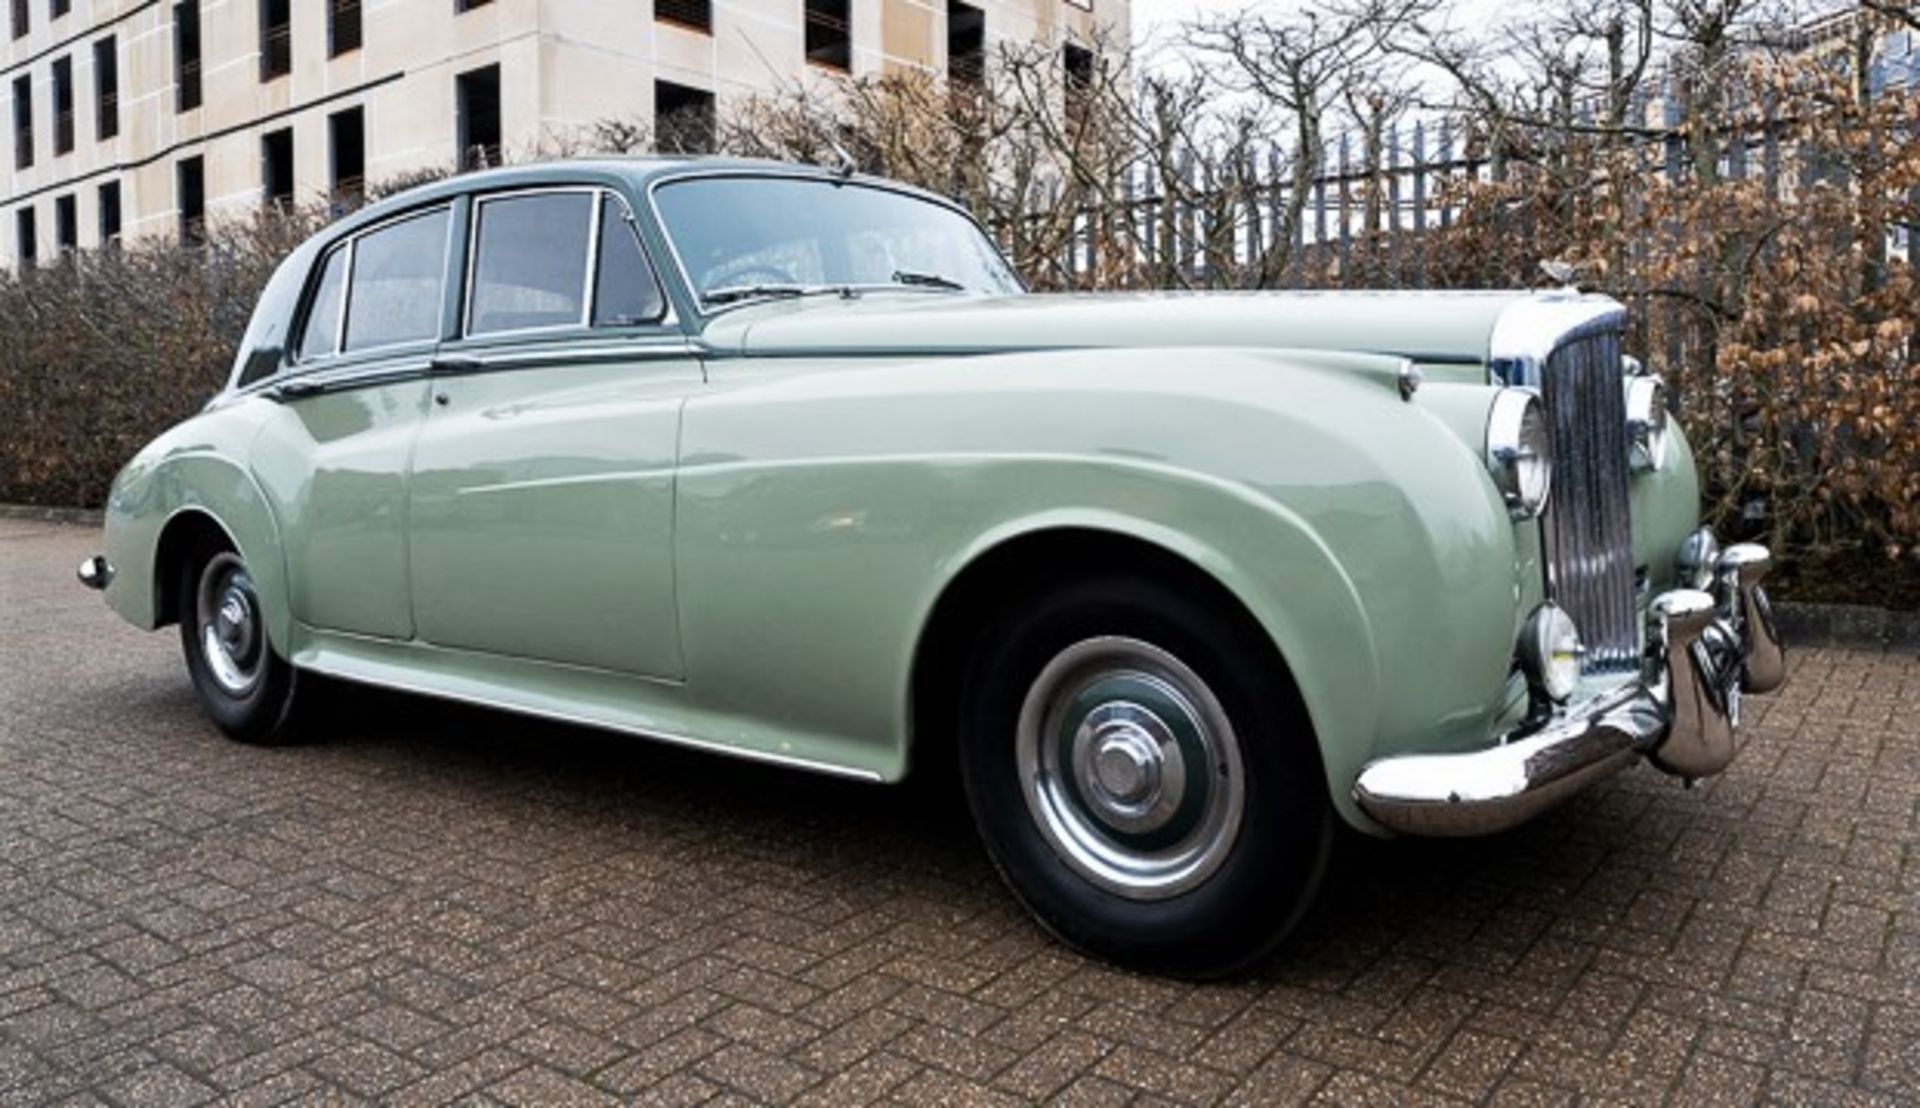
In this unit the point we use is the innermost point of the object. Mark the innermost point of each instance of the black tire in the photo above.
(1187, 919)
(253, 695)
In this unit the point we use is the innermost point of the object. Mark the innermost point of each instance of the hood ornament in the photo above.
(1563, 273)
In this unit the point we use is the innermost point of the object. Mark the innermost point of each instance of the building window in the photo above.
(60, 7)
(276, 39)
(347, 135)
(829, 34)
(106, 89)
(694, 14)
(468, 5)
(66, 227)
(190, 186)
(1078, 65)
(21, 22)
(966, 43)
(477, 95)
(343, 27)
(22, 121)
(186, 55)
(25, 237)
(276, 167)
(682, 119)
(109, 213)
(63, 105)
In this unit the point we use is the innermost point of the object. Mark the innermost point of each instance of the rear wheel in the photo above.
(1148, 788)
(247, 688)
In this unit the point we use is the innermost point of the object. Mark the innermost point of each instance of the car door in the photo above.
(333, 460)
(541, 500)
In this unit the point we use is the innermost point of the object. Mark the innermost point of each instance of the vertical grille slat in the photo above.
(1588, 525)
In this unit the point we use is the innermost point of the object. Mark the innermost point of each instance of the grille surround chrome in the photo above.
(1569, 348)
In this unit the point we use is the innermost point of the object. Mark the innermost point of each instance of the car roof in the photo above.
(637, 170)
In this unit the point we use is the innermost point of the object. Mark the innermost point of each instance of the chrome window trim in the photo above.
(471, 278)
(797, 173)
(387, 369)
(589, 280)
(346, 293)
(351, 243)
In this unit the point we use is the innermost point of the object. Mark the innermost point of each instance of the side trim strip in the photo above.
(348, 673)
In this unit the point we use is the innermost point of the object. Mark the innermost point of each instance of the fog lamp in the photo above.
(1550, 652)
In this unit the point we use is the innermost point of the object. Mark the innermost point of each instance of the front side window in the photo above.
(397, 282)
(531, 259)
(741, 237)
(530, 262)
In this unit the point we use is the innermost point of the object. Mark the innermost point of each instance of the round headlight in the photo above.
(1646, 423)
(1519, 454)
(1550, 652)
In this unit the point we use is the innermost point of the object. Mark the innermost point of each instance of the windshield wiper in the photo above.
(927, 281)
(730, 294)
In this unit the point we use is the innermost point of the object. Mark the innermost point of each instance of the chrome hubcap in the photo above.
(1130, 768)
(228, 614)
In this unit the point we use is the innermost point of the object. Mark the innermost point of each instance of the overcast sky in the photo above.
(1160, 19)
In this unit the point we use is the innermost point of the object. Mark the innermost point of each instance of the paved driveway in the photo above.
(437, 901)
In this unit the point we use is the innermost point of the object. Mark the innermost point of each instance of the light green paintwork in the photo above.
(734, 535)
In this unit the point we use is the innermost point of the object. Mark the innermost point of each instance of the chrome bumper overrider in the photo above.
(96, 572)
(1704, 650)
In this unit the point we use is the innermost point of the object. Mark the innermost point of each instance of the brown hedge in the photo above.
(101, 352)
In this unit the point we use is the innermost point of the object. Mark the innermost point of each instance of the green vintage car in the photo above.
(784, 463)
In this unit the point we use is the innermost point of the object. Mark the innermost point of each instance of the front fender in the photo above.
(823, 511)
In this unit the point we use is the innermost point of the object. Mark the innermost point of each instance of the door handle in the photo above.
(452, 364)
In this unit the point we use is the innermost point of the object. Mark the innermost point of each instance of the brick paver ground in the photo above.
(436, 902)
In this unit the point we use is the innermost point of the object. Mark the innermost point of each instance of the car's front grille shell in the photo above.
(1587, 530)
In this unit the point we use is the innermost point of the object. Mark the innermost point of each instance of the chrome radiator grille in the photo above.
(1588, 528)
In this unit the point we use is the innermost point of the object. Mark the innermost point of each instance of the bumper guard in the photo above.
(1704, 650)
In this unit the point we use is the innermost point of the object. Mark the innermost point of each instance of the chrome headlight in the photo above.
(1550, 652)
(1519, 455)
(1646, 423)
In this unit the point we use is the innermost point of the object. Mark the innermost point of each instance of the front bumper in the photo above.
(1704, 651)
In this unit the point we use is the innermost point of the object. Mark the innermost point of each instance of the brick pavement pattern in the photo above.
(437, 903)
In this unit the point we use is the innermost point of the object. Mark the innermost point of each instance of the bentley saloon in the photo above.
(784, 463)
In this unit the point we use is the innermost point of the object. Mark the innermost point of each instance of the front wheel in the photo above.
(1144, 782)
(245, 687)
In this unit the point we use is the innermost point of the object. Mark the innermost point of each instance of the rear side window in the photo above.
(530, 262)
(395, 290)
(624, 292)
(322, 336)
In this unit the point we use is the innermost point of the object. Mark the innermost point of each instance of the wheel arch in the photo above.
(161, 511)
(1321, 650)
(187, 533)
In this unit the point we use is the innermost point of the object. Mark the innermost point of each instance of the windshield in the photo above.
(742, 238)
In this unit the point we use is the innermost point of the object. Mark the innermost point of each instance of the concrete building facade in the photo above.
(129, 118)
